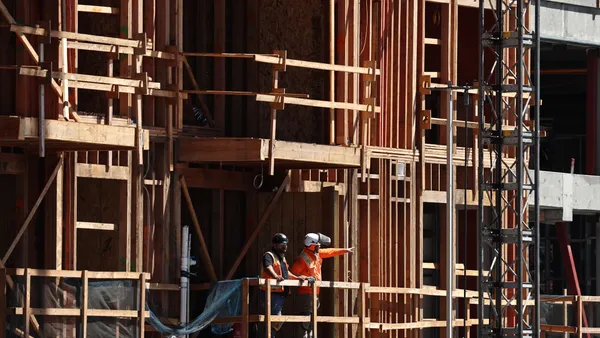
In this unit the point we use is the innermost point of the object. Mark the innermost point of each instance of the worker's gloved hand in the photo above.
(310, 280)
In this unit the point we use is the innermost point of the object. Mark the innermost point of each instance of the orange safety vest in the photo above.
(277, 268)
(309, 264)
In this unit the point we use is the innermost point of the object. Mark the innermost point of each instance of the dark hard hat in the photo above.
(280, 238)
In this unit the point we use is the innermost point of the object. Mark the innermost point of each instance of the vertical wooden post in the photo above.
(109, 113)
(2, 303)
(314, 310)
(84, 302)
(362, 310)
(273, 126)
(268, 308)
(245, 306)
(142, 311)
(565, 315)
(27, 299)
(579, 316)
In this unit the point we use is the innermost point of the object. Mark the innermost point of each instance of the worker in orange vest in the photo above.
(309, 264)
(275, 266)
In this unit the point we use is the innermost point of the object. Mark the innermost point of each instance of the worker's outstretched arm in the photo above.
(332, 252)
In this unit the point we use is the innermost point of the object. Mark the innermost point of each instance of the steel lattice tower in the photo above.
(508, 234)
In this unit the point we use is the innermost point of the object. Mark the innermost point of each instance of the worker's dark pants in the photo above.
(304, 307)
(277, 301)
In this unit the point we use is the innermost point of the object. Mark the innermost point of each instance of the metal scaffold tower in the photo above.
(508, 234)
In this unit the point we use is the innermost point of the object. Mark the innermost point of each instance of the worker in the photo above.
(308, 264)
(275, 266)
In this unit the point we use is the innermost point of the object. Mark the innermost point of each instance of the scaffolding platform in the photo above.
(68, 136)
(255, 152)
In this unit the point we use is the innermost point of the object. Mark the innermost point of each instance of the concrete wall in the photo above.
(570, 21)
(571, 193)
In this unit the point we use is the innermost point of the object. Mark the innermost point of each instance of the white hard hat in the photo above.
(310, 239)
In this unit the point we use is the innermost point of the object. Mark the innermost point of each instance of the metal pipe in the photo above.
(449, 214)
(480, 207)
(42, 117)
(536, 189)
(185, 267)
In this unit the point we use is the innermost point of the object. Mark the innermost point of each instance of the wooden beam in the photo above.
(116, 49)
(97, 9)
(96, 226)
(261, 223)
(316, 103)
(90, 78)
(88, 134)
(204, 249)
(33, 211)
(101, 171)
(80, 37)
(240, 150)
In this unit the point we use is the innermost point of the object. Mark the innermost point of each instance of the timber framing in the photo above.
(253, 152)
(67, 136)
(241, 119)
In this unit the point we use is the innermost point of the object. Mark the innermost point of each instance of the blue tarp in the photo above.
(224, 300)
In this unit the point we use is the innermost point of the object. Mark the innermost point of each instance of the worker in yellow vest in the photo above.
(309, 264)
(275, 266)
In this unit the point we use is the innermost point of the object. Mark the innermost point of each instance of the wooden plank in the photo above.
(226, 150)
(89, 78)
(142, 305)
(261, 223)
(256, 150)
(275, 60)
(97, 9)
(84, 302)
(70, 312)
(96, 226)
(79, 36)
(33, 211)
(48, 273)
(122, 89)
(125, 202)
(204, 249)
(12, 164)
(27, 308)
(219, 78)
(316, 103)
(80, 133)
(101, 171)
(116, 49)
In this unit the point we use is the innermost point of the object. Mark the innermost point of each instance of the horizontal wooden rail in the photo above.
(80, 37)
(76, 274)
(361, 319)
(316, 103)
(275, 59)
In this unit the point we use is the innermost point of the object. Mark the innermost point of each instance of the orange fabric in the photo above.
(309, 264)
(277, 268)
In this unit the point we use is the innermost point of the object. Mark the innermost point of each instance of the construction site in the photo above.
(150, 150)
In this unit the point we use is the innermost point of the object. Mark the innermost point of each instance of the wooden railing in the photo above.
(82, 313)
(361, 319)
